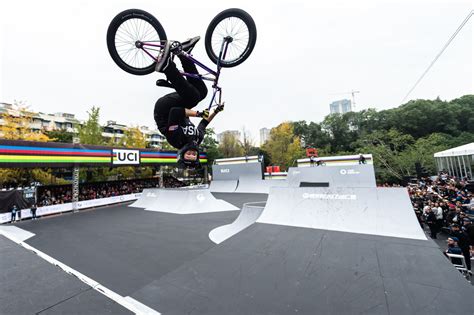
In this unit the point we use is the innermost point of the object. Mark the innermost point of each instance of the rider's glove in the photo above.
(219, 108)
(204, 114)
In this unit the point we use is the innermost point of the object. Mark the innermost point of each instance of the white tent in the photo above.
(457, 161)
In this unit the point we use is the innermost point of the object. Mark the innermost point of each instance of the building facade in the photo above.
(111, 131)
(341, 106)
(264, 135)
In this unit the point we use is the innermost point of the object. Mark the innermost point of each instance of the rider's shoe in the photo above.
(164, 58)
(164, 83)
(188, 45)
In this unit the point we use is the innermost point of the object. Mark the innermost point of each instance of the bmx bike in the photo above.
(135, 39)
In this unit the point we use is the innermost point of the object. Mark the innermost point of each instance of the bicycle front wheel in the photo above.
(134, 39)
(236, 25)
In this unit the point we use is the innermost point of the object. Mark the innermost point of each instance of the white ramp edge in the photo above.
(374, 211)
(259, 186)
(16, 235)
(189, 201)
(223, 185)
(248, 215)
(147, 198)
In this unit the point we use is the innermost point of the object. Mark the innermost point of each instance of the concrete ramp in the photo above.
(375, 211)
(148, 198)
(258, 186)
(188, 201)
(224, 185)
(248, 215)
(336, 176)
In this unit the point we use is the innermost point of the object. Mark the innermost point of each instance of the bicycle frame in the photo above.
(215, 74)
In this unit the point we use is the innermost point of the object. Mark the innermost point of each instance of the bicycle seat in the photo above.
(164, 83)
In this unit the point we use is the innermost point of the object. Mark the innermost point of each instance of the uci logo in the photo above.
(121, 157)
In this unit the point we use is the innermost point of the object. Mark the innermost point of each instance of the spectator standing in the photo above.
(431, 221)
(463, 243)
(13, 211)
(33, 211)
(438, 211)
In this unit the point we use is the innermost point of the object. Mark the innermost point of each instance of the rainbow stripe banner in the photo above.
(14, 153)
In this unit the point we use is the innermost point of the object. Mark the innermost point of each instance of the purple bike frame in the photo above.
(215, 79)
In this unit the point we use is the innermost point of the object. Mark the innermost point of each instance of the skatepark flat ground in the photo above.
(168, 263)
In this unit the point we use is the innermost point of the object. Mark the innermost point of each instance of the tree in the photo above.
(133, 138)
(230, 146)
(91, 131)
(248, 144)
(60, 136)
(284, 147)
(210, 145)
(18, 126)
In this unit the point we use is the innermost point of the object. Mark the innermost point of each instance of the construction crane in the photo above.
(352, 93)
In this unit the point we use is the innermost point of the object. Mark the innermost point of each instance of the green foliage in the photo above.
(60, 136)
(398, 138)
(230, 146)
(91, 131)
(210, 145)
(133, 138)
(284, 147)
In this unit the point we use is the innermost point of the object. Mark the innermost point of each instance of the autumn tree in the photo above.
(133, 138)
(18, 125)
(284, 147)
(230, 146)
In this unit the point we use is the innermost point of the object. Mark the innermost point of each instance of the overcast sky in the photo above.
(54, 56)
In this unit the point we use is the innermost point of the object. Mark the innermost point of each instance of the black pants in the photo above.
(189, 92)
(433, 229)
(467, 256)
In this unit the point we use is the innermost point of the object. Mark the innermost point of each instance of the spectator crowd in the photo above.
(445, 204)
(52, 195)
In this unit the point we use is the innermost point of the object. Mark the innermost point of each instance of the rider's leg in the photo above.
(190, 67)
(190, 94)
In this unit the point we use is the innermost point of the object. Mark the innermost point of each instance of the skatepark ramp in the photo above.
(375, 211)
(182, 201)
(148, 198)
(226, 173)
(362, 175)
(224, 185)
(248, 215)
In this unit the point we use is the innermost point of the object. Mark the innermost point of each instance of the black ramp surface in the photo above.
(270, 269)
(29, 285)
(125, 248)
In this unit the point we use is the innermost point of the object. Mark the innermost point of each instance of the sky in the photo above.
(308, 53)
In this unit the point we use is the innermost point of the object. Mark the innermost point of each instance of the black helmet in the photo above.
(182, 162)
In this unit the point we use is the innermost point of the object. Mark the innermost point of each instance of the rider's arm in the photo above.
(190, 113)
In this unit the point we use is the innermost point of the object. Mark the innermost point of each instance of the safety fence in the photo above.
(67, 207)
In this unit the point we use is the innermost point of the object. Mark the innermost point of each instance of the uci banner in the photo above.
(22, 154)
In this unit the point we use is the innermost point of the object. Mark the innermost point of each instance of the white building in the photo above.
(42, 121)
(264, 135)
(153, 137)
(341, 106)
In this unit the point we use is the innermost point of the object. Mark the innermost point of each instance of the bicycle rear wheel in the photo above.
(134, 39)
(237, 25)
